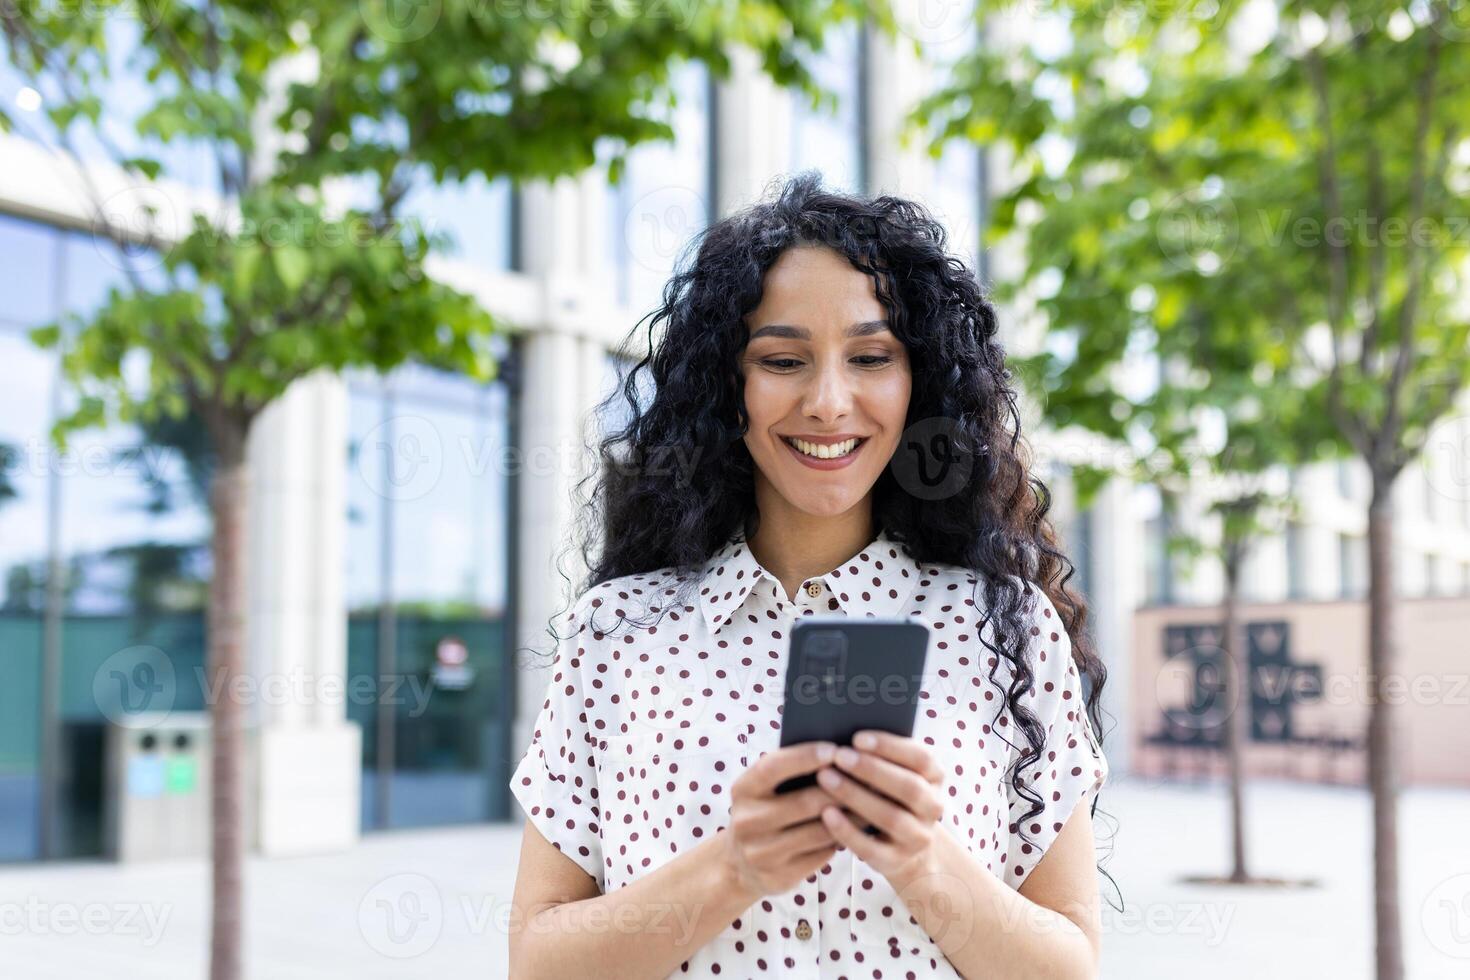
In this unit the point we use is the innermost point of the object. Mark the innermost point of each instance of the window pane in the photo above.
(134, 539)
(957, 172)
(28, 256)
(428, 521)
(822, 138)
(26, 377)
(475, 215)
(663, 199)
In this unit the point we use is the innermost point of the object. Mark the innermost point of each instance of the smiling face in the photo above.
(826, 385)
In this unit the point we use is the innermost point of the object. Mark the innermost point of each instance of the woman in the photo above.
(831, 430)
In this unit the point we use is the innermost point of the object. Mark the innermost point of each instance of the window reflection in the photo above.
(28, 254)
(129, 541)
(427, 574)
(831, 140)
(474, 215)
(958, 173)
(664, 198)
(26, 377)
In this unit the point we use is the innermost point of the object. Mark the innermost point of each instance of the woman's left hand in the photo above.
(895, 784)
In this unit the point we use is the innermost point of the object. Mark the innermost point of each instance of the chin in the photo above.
(827, 504)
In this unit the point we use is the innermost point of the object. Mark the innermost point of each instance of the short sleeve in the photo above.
(556, 780)
(1071, 765)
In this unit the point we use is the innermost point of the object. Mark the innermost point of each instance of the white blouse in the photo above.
(644, 729)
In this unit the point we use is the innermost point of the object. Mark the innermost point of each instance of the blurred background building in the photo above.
(406, 527)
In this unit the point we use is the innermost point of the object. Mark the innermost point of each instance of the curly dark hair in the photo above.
(640, 516)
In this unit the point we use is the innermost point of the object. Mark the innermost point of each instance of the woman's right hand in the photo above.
(775, 840)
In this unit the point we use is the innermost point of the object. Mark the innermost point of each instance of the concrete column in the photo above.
(1115, 588)
(551, 439)
(896, 81)
(308, 756)
(1321, 572)
(755, 132)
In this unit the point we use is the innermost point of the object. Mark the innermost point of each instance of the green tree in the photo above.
(1189, 399)
(1303, 162)
(287, 98)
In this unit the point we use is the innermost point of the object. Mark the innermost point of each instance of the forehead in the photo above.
(815, 287)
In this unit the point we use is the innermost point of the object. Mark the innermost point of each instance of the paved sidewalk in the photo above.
(436, 903)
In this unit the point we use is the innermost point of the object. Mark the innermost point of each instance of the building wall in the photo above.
(1329, 641)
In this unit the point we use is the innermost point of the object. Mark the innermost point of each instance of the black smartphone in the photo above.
(844, 675)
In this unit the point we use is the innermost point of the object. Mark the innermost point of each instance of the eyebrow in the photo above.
(862, 329)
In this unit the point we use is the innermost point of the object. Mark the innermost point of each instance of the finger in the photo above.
(779, 848)
(774, 768)
(797, 808)
(769, 815)
(902, 785)
(849, 835)
(891, 818)
(903, 750)
(805, 864)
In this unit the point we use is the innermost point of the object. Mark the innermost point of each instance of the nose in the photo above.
(830, 395)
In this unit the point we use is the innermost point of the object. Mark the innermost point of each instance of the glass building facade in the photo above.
(103, 548)
(427, 575)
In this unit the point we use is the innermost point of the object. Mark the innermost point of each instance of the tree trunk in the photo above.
(1383, 774)
(1237, 675)
(226, 643)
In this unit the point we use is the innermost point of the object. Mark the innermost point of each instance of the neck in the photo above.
(794, 546)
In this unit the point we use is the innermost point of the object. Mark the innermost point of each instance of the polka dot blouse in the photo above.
(644, 729)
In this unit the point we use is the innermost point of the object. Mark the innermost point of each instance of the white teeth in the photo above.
(824, 452)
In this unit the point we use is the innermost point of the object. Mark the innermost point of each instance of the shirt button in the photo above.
(814, 589)
(803, 929)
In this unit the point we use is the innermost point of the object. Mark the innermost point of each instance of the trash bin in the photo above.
(157, 792)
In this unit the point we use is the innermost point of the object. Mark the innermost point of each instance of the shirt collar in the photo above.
(875, 582)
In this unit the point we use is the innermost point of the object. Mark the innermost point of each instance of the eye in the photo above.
(788, 363)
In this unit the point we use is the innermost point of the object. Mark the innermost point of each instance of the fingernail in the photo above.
(828, 778)
(825, 751)
(847, 756)
(865, 740)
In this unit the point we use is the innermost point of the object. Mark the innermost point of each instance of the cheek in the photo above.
(765, 401)
(888, 402)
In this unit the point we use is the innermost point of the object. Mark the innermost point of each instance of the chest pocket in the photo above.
(662, 792)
